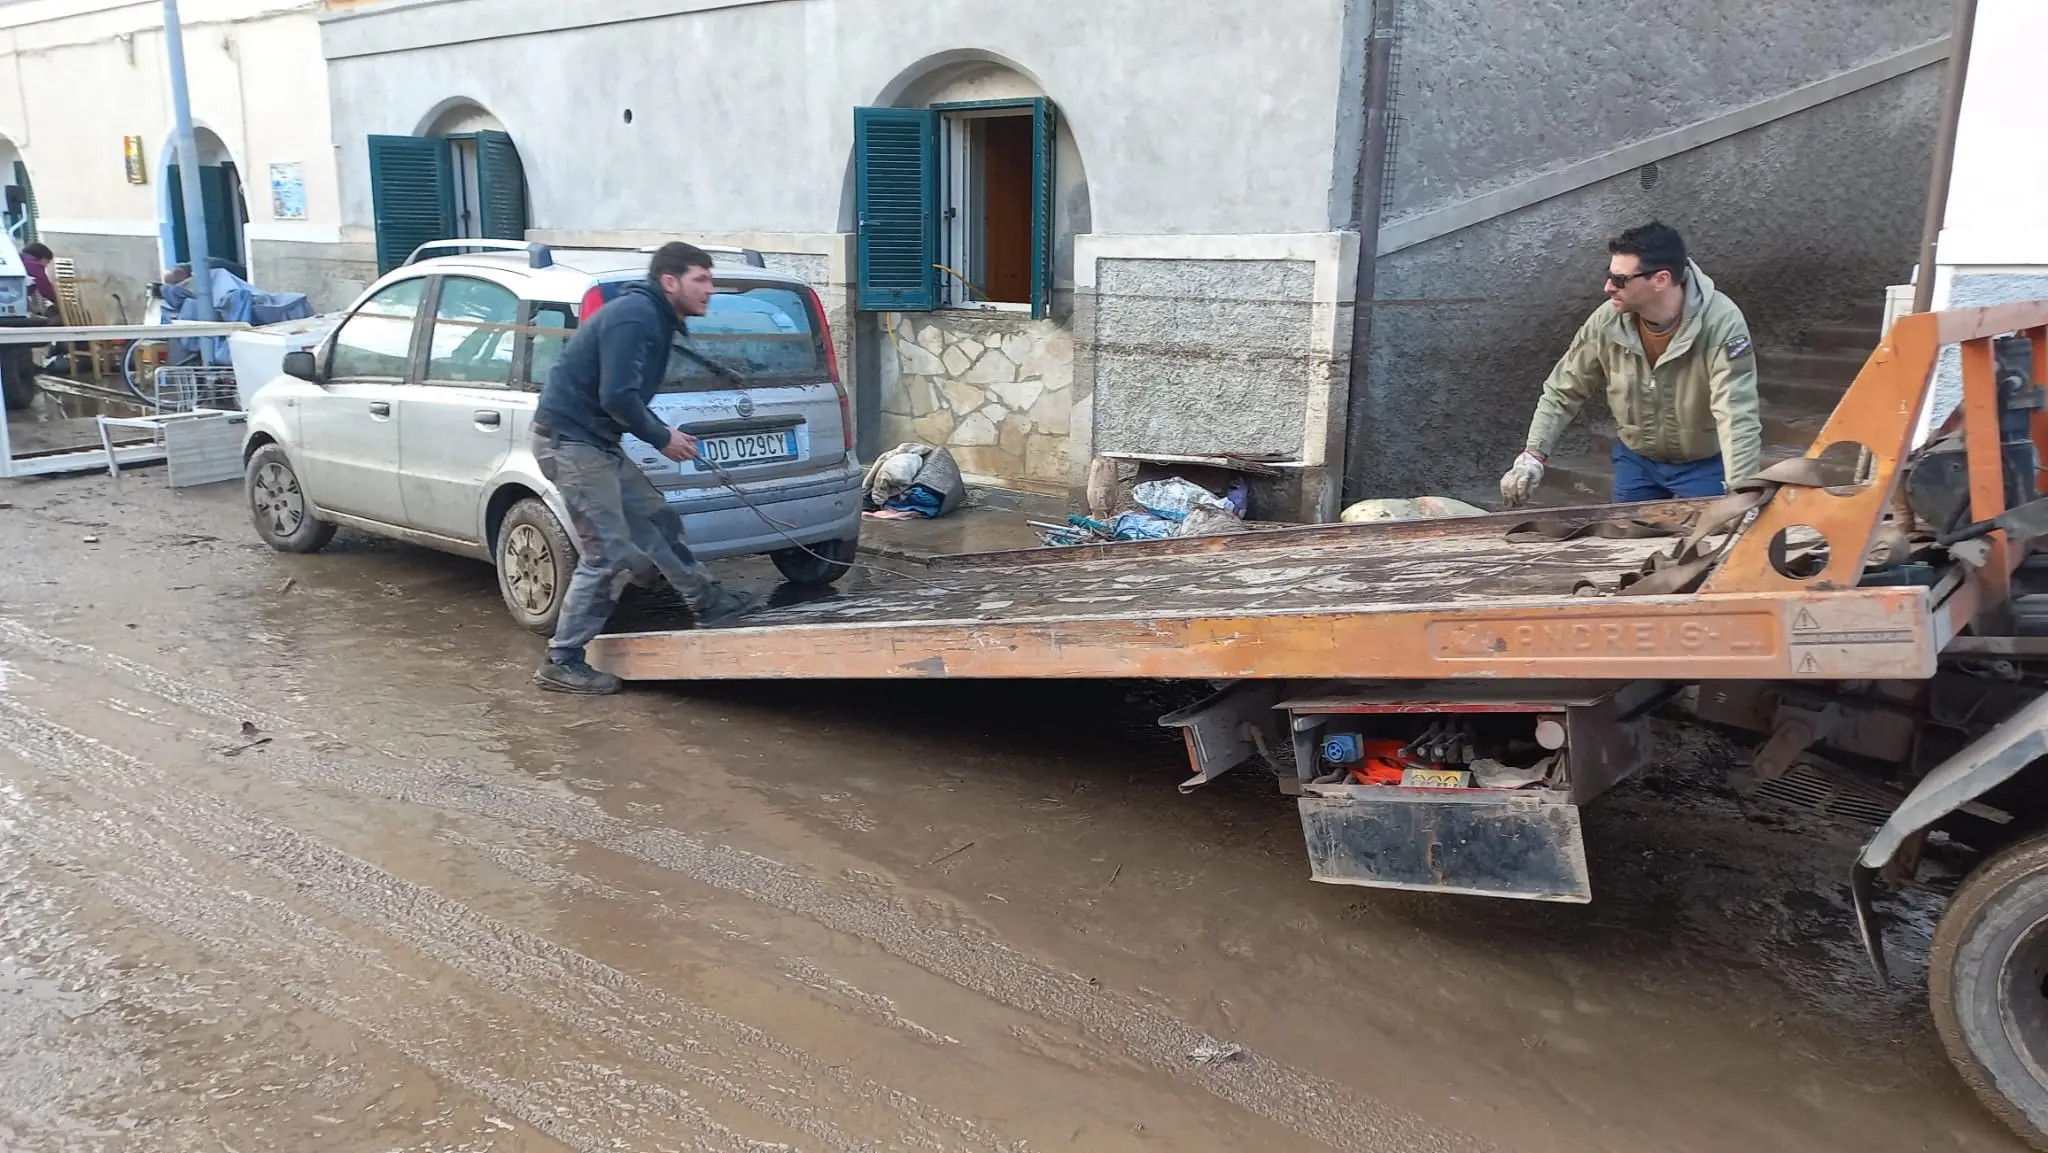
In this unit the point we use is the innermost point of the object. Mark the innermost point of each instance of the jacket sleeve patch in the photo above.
(1738, 346)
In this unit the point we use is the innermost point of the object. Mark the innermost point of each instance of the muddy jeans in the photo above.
(618, 517)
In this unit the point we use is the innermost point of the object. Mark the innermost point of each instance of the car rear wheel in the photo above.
(832, 560)
(1987, 983)
(536, 558)
(278, 505)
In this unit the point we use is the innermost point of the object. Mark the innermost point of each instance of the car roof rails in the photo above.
(537, 255)
(746, 255)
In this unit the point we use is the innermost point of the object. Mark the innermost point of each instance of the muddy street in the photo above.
(293, 856)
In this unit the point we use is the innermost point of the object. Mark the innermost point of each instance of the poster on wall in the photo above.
(131, 156)
(288, 191)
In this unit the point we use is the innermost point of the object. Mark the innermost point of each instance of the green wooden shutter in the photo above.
(1044, 192)
(501, 186)
(217, 200)
(181, 243)
(28, 194)
(896, 202)
(412, 195)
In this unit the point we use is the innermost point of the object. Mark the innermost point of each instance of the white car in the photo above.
(411, 418)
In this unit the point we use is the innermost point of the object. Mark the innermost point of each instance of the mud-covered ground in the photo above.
(293, 857)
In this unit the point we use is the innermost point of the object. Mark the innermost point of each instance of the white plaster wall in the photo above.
(743, 109)
(76, 78)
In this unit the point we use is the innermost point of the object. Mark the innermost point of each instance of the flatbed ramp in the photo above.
(1435, 599)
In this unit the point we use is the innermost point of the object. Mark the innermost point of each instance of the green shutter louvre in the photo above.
(217, 199)
(896, 203)
(181, 243)
(501, 186)
(412, 195)
(1044, 192)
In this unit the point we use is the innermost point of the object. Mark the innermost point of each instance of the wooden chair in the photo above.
(104, 356)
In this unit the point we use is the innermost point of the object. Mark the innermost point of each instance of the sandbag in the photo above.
(1416, 508)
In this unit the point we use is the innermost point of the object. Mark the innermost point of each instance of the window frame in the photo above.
(529, 328)
(430, 311)
(884, 191)
(955, 174)
(428, 292)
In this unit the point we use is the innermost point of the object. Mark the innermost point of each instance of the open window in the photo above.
(375, 342)
(955, 205)
(476, 325)
(425, 188)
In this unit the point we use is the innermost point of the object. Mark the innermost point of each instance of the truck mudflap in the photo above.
(1519, 844)
(1989, 761)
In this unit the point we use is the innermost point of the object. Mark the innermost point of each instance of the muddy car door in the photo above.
(347, 455)
(455, 429)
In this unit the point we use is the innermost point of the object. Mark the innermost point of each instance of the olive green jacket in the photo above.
(1699, 400)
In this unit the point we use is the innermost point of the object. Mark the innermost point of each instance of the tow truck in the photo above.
(1442, 696)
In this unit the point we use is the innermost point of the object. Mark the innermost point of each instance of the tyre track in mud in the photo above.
(269, 943)
(1313, 1106)
(599, 1003)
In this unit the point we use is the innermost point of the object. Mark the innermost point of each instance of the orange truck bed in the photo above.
(1417, 600)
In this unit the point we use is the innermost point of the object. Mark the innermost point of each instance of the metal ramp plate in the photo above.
(1487, 844)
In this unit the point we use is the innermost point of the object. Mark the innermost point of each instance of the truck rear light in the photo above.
(592, 301)
(832, 367)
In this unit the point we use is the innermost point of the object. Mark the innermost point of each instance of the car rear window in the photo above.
(767, 333)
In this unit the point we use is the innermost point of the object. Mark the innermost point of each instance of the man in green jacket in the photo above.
(1680, 373)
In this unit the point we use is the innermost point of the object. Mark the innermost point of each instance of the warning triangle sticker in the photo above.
(1808, 665)
(1804, 622)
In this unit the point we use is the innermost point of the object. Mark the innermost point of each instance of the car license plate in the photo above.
(1435, 778)
(746, 448)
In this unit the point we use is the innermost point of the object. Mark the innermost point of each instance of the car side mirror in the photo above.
(302, 365)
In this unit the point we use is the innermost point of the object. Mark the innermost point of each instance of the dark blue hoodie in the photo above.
(613, 366)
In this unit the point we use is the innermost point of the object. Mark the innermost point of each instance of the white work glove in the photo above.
(1520, 481)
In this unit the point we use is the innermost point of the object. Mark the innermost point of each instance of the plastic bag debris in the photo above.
(1173, 498)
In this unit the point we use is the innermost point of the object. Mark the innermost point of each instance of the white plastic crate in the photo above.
(195, 387)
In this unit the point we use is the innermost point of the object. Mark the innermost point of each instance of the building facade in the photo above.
(1086, 227)
(86, 143)
(1050, 230)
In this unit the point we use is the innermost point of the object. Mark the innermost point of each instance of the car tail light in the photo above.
(832, 367)
(592, 301)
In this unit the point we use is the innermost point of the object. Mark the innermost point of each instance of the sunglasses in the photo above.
(1621, 279)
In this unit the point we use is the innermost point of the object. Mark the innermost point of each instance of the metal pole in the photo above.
(1370, 190)
(188, 168)
(1944, 150)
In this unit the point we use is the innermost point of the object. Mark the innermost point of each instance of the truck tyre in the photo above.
(833, 560)
(278, 504)
(1987, 982)
(535, 561)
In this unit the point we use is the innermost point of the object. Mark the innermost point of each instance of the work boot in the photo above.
(575, 676)
(722, 606)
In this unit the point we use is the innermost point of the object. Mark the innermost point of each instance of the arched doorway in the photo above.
(221, 200)
(18, 208)
(966, 191)
(458, 176)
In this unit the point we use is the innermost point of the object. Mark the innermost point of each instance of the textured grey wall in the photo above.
(331, 275)
(1799, 221)
(1197, 356)
(110, 266)
(1490, 91)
